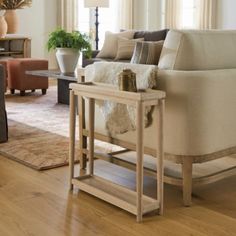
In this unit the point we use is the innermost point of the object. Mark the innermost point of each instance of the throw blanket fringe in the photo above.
(121, 118)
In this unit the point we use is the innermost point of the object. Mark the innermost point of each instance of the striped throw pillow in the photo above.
(126, 48)
(147, 52)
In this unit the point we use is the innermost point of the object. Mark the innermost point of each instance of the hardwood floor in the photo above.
(38, 203)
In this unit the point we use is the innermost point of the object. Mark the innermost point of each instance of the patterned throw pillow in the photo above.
(147, 52)
(126, 48)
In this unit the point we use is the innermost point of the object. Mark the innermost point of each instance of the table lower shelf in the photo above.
(115, 194)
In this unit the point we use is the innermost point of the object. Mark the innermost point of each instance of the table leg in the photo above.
(91, 136)
(63, 91)
(72, 137)
(160, 154)
(139, 150)
(82, 138)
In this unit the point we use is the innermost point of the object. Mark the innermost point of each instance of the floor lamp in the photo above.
(96, 4)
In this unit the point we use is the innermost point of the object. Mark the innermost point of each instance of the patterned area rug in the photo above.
(39, 131)
(36, 148)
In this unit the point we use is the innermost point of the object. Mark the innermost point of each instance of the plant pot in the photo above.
(12, 21)
(67, 59)
(3, 27)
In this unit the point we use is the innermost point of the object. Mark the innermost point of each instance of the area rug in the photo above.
(39, 131)
(36, 148)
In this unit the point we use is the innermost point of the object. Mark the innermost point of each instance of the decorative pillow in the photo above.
(109, 49)
(126, 47)
(151, 35)
(147, 52)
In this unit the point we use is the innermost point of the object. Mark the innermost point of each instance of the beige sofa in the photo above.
(198, 73)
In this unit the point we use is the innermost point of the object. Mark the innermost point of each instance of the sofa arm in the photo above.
(200, 110)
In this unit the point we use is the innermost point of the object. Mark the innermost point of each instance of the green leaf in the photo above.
(59, 38)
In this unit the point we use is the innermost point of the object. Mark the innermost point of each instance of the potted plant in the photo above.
(10, 16)
(68, 47)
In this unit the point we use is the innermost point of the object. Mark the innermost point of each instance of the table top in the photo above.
(53, 74)
(111, 92)
(14, 37)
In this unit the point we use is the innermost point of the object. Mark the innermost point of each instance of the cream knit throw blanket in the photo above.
(121, 118)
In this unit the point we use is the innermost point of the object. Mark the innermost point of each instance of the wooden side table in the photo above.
(132, 201)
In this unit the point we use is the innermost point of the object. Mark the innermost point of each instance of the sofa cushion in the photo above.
(147, 52)
(126, 48)
(199, 50)
(109, 49)
(151, 35)
(89, 61)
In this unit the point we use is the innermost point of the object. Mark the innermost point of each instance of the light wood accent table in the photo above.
(133, 202)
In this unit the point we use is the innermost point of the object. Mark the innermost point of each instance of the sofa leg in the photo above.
(12, 91)
(22, 93)
(44, 91)
(187, 167)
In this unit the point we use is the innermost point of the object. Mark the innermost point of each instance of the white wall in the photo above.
(226, 17)
(36, 22)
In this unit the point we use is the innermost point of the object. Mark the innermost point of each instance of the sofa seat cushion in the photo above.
(199, 50)
(96, 59)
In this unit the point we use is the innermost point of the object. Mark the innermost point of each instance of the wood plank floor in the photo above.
(38, 203)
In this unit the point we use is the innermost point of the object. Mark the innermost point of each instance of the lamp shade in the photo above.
(96, 3)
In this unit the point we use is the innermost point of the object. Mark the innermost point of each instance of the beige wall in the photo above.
(36, 22)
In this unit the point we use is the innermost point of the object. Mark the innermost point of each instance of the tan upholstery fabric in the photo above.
(200, 104)
(147, 52)
(110, 46)
(199, 50)
(199, 118)
(126, 48)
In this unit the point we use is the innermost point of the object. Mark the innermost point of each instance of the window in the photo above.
(107, 20)
(189, 14)
(83, 17)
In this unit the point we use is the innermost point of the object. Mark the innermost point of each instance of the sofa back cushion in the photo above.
(199, 50)
(151, 35)
(110, 45)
